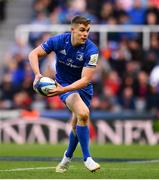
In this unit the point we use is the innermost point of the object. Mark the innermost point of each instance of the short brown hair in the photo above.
(80, 20)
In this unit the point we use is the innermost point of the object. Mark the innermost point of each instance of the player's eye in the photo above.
(82, 30)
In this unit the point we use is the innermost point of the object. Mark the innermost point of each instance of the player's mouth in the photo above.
(83, 39)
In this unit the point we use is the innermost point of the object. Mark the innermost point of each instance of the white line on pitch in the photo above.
(26, 169)
(144, 162)
(127, 169)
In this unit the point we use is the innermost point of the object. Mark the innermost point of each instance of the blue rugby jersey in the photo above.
(70, 60)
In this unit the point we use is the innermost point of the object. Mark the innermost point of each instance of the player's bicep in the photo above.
(88, 72)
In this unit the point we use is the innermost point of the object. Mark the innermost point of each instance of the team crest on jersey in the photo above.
(63, 52)
(79, 56)
(93, 59)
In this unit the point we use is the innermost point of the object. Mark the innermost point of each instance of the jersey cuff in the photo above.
(90, 66)
(44, 49)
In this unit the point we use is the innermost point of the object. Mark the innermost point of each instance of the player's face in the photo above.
(80, 33)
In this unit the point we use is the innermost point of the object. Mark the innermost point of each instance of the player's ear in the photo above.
(72, 29)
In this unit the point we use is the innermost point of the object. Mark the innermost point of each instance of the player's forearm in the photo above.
(83, 82)
(34, 62)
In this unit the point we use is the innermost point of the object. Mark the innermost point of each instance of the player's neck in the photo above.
(74, 42)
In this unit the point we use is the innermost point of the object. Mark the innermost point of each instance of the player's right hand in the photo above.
(37, 77)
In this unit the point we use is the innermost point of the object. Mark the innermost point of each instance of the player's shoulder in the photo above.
(91, 46)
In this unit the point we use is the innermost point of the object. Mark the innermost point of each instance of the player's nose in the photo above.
(85, 33)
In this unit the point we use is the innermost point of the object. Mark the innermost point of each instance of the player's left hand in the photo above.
(56, 91)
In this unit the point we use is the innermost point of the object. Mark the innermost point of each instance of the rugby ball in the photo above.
(43, 85)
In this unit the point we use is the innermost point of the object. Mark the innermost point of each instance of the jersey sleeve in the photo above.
(53, 43)
(92, 57)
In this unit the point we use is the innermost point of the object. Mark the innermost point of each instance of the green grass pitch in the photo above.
(33, 161)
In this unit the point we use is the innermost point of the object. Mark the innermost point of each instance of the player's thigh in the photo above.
(75, 103)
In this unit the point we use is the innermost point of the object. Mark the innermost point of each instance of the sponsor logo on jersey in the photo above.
(69, 62)
(93, 60)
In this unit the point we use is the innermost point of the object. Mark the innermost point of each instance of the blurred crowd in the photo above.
(122, 79)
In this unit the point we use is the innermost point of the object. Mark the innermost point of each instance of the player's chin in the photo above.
(83, 42)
